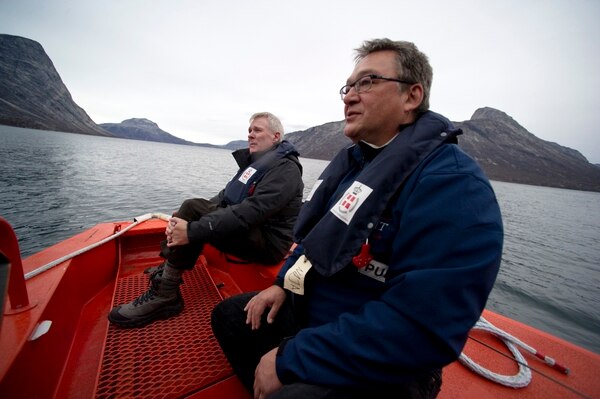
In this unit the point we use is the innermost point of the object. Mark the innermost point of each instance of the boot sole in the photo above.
(159, 314)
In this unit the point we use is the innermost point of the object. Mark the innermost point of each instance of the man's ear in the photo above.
(277, 137)
(414, 97)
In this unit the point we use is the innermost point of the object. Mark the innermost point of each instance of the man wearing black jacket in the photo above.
(252, 218)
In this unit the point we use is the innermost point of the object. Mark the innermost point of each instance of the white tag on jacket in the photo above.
(247, 174)
(294, 278)
(352, 199)
(376, 270)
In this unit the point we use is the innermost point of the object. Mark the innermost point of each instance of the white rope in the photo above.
(523, 377)
(136, 221)
(519, 380)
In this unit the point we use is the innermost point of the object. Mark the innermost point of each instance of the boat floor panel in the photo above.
(168, 358)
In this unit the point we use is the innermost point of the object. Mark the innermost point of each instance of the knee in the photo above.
(195, 208)
(230, 313)
(217, 323)
(186, 209)
(218, 315)
(224, 315)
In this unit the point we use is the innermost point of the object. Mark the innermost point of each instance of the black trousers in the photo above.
(249, 246)
(244, 347)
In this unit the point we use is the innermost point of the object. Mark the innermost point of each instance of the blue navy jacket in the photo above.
(437, 248)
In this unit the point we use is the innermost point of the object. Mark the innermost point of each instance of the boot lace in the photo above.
(151, 292)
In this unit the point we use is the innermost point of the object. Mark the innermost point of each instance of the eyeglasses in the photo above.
(364, 84)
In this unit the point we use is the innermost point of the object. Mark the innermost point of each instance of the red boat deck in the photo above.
(84, 356)
(169, 358)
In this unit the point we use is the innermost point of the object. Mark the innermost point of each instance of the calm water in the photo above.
(54, 185)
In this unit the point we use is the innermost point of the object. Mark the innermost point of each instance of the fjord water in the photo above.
(55, 185)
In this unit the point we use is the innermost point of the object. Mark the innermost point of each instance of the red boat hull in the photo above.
(83, 356)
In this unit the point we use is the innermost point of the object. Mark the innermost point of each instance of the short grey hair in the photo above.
(412, 64)
(273, 121)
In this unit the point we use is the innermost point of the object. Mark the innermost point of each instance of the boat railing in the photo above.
(9, 248)
(4, 270)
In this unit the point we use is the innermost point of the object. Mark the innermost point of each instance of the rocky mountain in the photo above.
(235, 145)
(145, 129)
(505, 150)
(320, 142)
(33, 95)
(142, 129)
(508, 152)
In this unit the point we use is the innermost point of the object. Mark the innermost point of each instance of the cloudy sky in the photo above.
(199, 69)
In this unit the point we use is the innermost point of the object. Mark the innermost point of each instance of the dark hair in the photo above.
(412, 64)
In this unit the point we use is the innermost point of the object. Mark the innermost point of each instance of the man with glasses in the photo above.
(252, 218)
(399, 245)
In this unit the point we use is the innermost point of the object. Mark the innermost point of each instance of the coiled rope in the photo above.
(136, 221)
(523, 376)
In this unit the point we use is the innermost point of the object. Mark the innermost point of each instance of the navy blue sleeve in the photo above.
(289, 262)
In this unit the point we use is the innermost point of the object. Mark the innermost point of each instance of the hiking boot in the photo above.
(161, 301)
(152, 270)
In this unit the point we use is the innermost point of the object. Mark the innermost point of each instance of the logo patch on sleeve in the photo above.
(247, 175)
(352, 199)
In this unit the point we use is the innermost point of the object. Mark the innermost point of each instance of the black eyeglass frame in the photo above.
(346, 88)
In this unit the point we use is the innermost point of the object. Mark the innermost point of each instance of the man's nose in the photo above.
(351, 97)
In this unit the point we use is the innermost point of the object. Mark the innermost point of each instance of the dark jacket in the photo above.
(437, 249)
(270, 207)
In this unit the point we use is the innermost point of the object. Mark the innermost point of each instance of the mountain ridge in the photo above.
(142, 129)
(33, 95)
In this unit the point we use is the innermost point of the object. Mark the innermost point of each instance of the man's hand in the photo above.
(265, 376)
(176, 232)
(272, 297)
